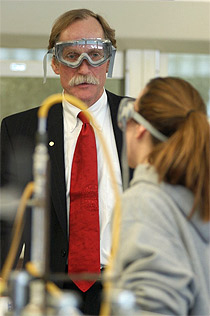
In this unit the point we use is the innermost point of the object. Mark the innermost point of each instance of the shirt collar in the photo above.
(98, 110)
(70, 112)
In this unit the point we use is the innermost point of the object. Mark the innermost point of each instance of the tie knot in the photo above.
(83, 117)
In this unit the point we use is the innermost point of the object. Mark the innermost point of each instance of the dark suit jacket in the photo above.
(18, 133)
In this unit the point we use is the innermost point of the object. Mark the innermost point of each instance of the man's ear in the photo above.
(55, 66)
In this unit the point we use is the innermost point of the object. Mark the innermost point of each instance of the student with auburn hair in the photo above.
(164, 248)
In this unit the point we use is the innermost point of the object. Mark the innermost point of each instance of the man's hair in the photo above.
(71, 16)
(176, 109)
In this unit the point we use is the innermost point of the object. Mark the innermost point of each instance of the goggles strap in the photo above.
(141, 120)
(45, 67)
(50, 51)
(111, 63)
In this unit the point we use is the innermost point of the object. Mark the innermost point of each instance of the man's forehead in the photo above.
(86, 28)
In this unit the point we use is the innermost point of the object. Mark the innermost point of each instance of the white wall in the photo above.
(163, 25)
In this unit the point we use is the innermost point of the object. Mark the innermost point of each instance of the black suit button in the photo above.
(63, 253)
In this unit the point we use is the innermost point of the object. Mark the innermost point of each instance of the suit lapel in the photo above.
(114, 101)
(56, 152)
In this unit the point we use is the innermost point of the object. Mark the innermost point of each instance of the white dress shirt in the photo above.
(72, 126)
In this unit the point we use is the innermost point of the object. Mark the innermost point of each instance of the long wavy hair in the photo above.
(176, 109)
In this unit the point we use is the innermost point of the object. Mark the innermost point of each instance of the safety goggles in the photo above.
(73, 53)
(126, 112)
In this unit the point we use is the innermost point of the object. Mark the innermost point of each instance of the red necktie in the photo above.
(84, 233)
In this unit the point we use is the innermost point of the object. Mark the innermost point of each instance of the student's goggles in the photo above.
(126, 112)
(96, 51)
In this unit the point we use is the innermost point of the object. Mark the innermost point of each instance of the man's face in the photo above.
(88, 93)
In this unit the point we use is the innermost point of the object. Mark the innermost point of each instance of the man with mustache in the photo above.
(83, 47)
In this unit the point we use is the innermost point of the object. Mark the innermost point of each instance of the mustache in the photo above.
(76, 80)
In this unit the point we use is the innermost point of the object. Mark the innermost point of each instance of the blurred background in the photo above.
(154, 38)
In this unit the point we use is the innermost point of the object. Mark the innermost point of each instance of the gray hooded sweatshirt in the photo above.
(163, 257)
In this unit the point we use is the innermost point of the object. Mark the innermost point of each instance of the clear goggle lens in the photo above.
(125, 112)
(72, 53)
